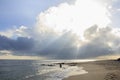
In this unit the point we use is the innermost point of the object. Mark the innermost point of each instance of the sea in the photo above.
(38, 69)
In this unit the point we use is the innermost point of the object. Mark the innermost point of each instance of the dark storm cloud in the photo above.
(94, 49)
(20, 44)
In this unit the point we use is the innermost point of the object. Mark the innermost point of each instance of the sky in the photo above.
(20, 12)
(59, 29)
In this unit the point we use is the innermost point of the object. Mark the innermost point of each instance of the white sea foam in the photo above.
(61, 73)
(55, 72)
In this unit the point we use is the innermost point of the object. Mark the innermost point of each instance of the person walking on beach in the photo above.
(60, 65)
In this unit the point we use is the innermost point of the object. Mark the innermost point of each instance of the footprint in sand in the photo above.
(111, 76)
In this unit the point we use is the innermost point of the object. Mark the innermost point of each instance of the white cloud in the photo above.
(8, 33)
(74, 17)
(5, 52)
(21, 31)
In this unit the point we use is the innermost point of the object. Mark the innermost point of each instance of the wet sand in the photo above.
(99, 70)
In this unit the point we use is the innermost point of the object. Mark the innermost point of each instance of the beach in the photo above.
(99, 70)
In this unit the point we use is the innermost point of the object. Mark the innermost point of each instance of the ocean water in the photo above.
(36, 70)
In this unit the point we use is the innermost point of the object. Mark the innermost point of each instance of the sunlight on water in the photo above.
(38, 70)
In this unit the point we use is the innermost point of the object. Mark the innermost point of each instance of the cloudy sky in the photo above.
(59, 29)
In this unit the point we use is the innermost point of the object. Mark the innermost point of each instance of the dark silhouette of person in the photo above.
(60, 65)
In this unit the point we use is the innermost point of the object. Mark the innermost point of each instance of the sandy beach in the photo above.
(99, 70)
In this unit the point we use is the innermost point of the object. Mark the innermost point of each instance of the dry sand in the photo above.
(99, 70)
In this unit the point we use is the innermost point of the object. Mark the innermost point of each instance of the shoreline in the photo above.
(98, 70)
